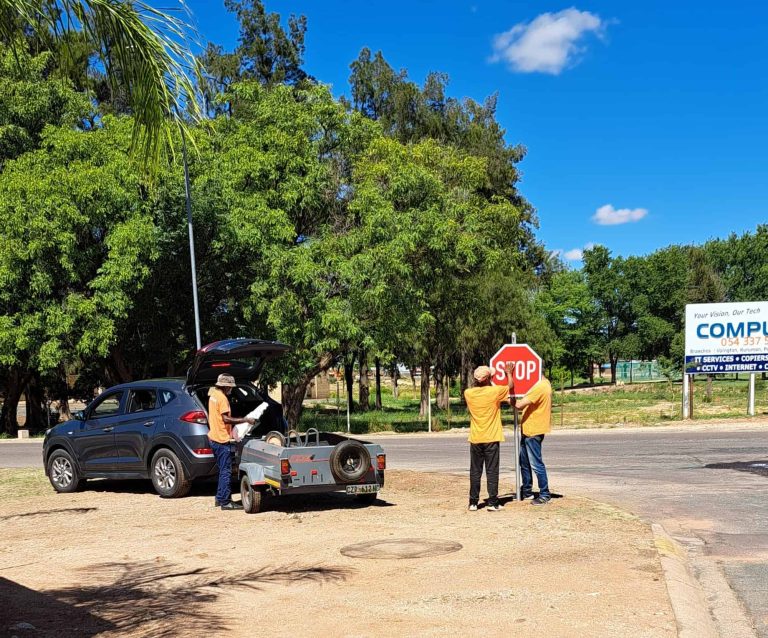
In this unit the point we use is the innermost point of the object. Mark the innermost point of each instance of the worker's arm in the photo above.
(234, 420)
(521, 403)
(508, 366)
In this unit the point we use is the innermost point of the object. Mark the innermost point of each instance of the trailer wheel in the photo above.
(349, 461)
(251, 499)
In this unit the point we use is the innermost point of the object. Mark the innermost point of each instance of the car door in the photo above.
(94, 443)
(135, 429)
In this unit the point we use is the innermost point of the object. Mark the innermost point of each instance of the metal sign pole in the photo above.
(751, 401)
(349, 400)
(517, 441)
(686, 396)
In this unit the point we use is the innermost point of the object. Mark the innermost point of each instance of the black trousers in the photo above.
(484, 454)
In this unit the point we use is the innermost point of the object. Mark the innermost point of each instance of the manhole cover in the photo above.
(398, 548)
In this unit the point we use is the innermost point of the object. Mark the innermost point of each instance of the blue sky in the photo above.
(653, 113)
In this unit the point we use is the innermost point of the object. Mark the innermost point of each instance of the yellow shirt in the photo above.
(218, 404)
(537, 415)
(484, 403)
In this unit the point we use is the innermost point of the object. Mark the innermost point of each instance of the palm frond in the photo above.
(151, 49)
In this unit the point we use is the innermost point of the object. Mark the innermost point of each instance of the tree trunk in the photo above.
(118, 367)
(14, 387)
(614, 360)
(413, 379)
(443, 383)
(365, 390)
(571, 377)
(465, 374)
(293, 400)
(425, 387)
(378, 384)
(395, 377)
(294, 393)
(591, 372)
(37, 416)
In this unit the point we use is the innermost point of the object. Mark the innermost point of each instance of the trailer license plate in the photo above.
(363, 489)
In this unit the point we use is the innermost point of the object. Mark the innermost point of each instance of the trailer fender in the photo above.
(255, 473)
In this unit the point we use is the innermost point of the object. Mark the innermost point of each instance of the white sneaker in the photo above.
(472, 507)
(494, 508)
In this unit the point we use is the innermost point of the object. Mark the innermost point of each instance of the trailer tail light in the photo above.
(195, 416)
(204, 451)
(285, 467)
(381, 461)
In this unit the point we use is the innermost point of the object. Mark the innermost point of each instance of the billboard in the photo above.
(723, 338)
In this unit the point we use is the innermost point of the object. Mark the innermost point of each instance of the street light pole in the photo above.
(191, 238)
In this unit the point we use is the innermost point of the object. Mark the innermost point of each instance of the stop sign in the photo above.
(526, 370)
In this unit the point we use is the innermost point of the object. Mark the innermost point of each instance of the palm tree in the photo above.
(148, 46)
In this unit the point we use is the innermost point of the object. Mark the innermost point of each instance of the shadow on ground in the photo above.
(759, 467)
(64, 510)
(149, 598)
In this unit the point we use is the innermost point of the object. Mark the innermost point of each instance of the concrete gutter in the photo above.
(686, 595)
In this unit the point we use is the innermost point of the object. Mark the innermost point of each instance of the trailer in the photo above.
(310, 463)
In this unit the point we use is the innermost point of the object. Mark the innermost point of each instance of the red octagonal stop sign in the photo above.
(526, 369)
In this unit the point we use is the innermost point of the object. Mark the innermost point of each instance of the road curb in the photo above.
(686, 595)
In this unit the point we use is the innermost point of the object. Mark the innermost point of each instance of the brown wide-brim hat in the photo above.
(226, 381)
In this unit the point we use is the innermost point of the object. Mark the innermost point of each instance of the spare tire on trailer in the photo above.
(349, 461)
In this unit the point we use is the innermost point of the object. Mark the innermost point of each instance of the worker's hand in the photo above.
(508, 366)
(250, 420)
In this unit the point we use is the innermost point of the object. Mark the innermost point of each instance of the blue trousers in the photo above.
(223, 454)
(530, 457)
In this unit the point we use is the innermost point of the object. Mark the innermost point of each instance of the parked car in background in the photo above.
(158, 429)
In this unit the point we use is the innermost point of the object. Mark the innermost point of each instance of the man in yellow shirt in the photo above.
(485, 433)
(220, 424)
(536, 422)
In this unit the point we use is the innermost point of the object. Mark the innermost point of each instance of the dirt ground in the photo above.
(116, 560)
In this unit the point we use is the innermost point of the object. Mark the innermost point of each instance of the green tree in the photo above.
(76, 241)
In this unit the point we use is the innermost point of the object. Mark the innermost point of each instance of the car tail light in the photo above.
(285, 467)
(381, 461)
(195, 416)
(221, 364)
(204, 450)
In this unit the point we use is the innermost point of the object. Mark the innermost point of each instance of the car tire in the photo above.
(63, 473)
(251, 499)
(349, 461)
(168, 475)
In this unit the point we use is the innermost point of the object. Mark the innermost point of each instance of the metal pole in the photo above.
(518, 478)
(686, 407)
(188, 196)
(429, 402)
(349, 400)
(751, 401)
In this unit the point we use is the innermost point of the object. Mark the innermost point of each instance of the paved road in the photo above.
(708, 485)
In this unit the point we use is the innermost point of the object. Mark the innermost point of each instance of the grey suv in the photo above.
(157, 429)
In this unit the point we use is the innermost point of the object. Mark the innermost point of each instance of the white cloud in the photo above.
(574, 254)
(609, 216)
(547, 44)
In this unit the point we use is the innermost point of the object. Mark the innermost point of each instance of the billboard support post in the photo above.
(686, 396)
(751, 400)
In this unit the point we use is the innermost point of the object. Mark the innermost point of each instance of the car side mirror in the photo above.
(79, 415)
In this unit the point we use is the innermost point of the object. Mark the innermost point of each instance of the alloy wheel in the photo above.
(62, 472)
(165, 473)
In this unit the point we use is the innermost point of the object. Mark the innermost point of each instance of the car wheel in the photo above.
(62, 472)
(251, 499)
(168, 475)
(349, 461)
